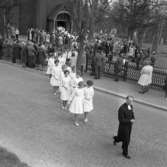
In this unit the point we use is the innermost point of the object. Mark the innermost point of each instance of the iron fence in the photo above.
(158, 77)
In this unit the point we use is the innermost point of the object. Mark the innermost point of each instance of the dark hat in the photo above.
(89, 82)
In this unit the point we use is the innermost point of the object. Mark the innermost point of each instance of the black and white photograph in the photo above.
(83, 83)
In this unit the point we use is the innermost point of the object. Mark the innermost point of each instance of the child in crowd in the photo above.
(76, 102)
(55, 80)
(65, 89)
(78, 78)
(61, 59)
(165, 88)
(73, 78)
(50, 65)
(88, 99)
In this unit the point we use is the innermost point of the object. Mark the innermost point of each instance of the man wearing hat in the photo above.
(99, 61)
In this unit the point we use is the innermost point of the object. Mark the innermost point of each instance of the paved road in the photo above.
(32, 126)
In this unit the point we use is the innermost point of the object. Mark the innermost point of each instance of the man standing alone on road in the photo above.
(126, 119)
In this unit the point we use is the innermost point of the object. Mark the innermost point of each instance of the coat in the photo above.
(31, 55)
(77, 99)
(118, 65)
(125, 115)
(50, 65)
(24, 54)
(99, 60)
(88, 99)
(56, 76)
(65, 89)
(165, 85)
(146, 76)
(42, 55)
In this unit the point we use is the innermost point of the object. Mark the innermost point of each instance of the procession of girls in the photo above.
(76, 96)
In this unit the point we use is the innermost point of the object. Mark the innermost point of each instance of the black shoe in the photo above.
(114, 142)
(126, 156)
(141, 92)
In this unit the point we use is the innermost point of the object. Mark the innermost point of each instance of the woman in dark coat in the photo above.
(165, 87)
(126, 119)
(31, 61)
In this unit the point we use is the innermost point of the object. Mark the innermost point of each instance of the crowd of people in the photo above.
(60, 37)
(104, 48)
(114, 46)
(35, 50)
(59, 52)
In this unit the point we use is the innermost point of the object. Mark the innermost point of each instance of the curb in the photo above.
(123, 96)
(23, 68)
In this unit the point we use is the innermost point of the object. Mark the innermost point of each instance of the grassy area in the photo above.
(8, 159)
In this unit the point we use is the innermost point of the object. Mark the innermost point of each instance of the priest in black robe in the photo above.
(126, 119)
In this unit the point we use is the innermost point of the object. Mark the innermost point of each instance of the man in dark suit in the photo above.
(99, 62)
(31, 55)
(42, 55)
(16, 52)
(126, 119)
(1, 47)
(24, 54)
(117, 67)
(125, 65)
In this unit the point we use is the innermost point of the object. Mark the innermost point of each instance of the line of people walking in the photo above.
(76, 96)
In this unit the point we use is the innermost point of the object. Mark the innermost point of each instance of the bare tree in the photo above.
(136, 15)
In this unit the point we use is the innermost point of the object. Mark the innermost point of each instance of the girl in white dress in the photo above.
(50, 66)
(62, 59)
(73, 77)
(145, 79)
(73, 73)
(73, 59)
(78, 78)
(55, 80)
(88, 99)
(65, 89)
(76, 102)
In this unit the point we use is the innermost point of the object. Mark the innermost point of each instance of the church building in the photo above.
(42, 14)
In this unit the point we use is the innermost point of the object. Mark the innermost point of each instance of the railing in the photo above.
(158, 78)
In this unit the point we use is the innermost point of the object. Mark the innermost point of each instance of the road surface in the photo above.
(33, 126)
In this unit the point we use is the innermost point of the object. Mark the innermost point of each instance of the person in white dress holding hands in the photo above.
(50, 65)
(78, 78)
(88, 99)
(55, 80)
(76, 102)
(145, 79)
(65, 90)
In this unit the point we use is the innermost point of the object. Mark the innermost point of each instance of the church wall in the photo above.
(45, 8)
(34, 13)
(27, 15)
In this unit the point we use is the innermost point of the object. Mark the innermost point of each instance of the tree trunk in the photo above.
(157, 36)
(91, 26)
(140, 37)
(130, 33)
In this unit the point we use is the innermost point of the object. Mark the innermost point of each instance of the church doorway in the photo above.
(63, 19)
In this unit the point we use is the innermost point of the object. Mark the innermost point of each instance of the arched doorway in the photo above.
(63, 19)
(56, 19)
